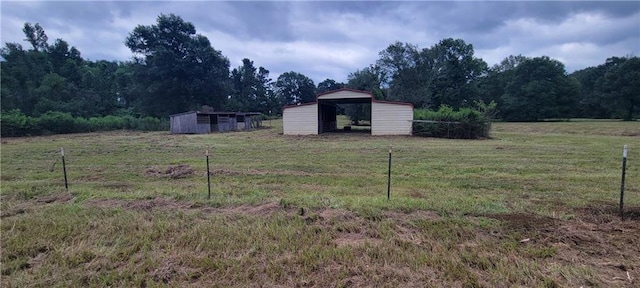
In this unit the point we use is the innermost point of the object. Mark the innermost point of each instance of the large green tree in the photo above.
(267, 102)
(36, 36)
(178, 69)
(455, 70)
(368, 79)
(444, 74)
(328, 85)
(539, 89)
(21, 74)
(294, 88)
(592, 102)
(251, 89)
(621, 85)
(407, 80)
(610, 90)
(45, 77)
(98, 87)
(492, 86)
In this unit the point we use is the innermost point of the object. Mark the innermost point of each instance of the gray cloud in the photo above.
(331, 39)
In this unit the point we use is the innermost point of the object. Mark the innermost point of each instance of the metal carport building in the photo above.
(194, 122)
(387, 118)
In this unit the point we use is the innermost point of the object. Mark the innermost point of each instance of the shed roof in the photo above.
(354, 94)
(216, 113)
(358, 96)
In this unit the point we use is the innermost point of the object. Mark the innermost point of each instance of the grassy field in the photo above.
(534, 206)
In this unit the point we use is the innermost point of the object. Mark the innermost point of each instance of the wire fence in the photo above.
(451, 129)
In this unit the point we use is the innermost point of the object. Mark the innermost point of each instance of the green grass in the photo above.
(312, 210)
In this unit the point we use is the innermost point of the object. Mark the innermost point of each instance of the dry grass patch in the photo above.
(174, 171)
(176, 243)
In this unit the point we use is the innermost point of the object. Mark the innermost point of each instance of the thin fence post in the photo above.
(208, 175)
(624, 170)
(64, 170)
(389, 176)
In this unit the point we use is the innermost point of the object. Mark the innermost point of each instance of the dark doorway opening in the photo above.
(332, 118)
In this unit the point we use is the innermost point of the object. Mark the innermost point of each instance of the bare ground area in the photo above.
(596, 237)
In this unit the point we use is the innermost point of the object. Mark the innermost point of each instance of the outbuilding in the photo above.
(387, 118)
(195, 122)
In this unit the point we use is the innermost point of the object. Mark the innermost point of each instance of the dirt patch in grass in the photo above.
(595, 237)
(162, 203)
(631, 133)
(409, 235)
(604, 213)
(264, 209)
(526, 222)
(141, 204)
(24, 207)
(323, 216)
(91, 178)
(120, 186)
(355, 239)
(332, 215)
(227, 172)
(174, 172)
(34, 262)
(170, 270)
(223, 172)
(18, 209)
(295, 173)
(7, 178)
(55, 198)
(599, 237)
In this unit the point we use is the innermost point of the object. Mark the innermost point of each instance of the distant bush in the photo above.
(465, 123)
(56, 123)
(148, 124)
(108, 123)
(15, 123)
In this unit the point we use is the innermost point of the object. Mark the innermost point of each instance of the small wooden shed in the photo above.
(194, 122)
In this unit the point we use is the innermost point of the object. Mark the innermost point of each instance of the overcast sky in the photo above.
(332, 39)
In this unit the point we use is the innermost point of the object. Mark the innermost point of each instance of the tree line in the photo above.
(523, 88)
(175, 69)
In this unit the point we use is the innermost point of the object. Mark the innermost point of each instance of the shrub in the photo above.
(148, 124)
(108, 123)
(15, 123)
(56, 122)
(466, 123)
(82, 125)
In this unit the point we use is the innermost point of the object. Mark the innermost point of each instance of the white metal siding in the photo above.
(300, 120)
(344, 95)
(391, 119)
